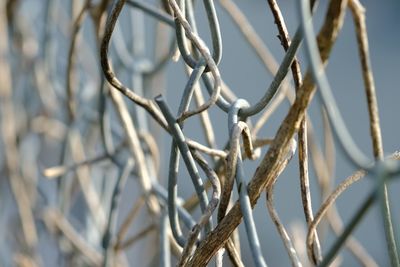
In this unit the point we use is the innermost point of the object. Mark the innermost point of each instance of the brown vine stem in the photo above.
(204, 116)
(71, 59)
(136, 149)
(192, 201)
(250, 34)
(263, 53)
(204, 219)
(147, 104)
(243, 131)
(83, 175)
(352, 244)
(324, 169)
(290, 248)
(335, 194)
(55, 221)
(58, 171)
(128, 221)
(302, 134)
(9, 135)
(132, 240)
(292, 253)
(358, 12)
(152, 148)
(273, 161)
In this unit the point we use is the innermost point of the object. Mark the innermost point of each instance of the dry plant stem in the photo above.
(205, 149)
(324, 171)
(175, 249)
(219, 167)
(232, 160)
(128, 221)
(22, 260)
(305, 181)
(49, 127)
(226, 194)
(285, 40)
(298, 232)
(45, 91)
(292, 253)
(132, 240)
(9, 135)
(323, 162)
(157, 82)
(351, 149)
(352, 244)
(55, 220)
(162, 195)
(152, 146)
(320, 164)
(335, 194)
(227, 93)
(152, 11)
(204, 116)
(236, 165)
(260, 142)
(250, 35)
(72, 58)
(227, 186)
(113, 213)
(212, 176)
(328, 202)
(273, 161)
(110, 76)
(330, 151)
(113, 80)
(136, 150)
(302, 134)
(333, 215)
(84, 178)
(233, 253)
(273, 105)
(325, 165)
(58, 171)
(350, 227)
(192, 201)
(237, 129)
(98, 11)
(262, 51)
(358, 12)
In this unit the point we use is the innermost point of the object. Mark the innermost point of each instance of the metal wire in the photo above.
(237, 166)
(214, 29)
(97, 133)
(174, 157)
(347, 142)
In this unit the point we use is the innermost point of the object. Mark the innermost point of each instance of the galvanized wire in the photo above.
(105, 129)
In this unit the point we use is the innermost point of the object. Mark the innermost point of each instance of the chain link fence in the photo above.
(95, 141)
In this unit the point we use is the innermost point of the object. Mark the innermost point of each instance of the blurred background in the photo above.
(34, 54)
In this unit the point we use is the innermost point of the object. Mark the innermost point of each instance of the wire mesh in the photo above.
(96, 116)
